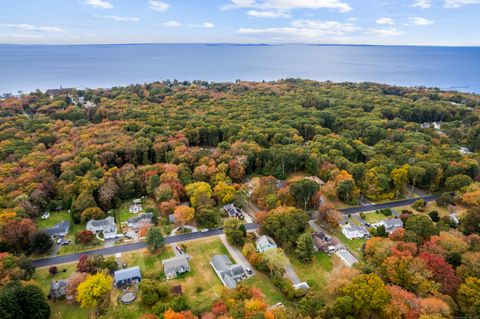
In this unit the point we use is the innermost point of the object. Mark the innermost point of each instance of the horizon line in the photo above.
(244, 44)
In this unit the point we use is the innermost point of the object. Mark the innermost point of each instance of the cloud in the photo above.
(206, 25)
(287, 5)
(158, 6)
(31, 27)
(117, 18)
(386, 32)
(101, 4)
(421, 21)
(459, 3)
(385, 21)
(423, 4)
(268, 14)
(305, 29)
(172, 24)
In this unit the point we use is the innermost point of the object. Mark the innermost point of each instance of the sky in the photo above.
(391, 22)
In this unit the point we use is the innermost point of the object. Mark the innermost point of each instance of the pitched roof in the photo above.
(59, 228)
(128, 273)
(265, 241)
(140, 217)
(175, 262)
(396, 222)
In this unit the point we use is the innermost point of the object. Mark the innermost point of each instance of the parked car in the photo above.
(65, 242)
(249, 271)
(203, 230)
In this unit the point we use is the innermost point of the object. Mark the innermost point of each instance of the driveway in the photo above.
(290, 273)
(237, 255)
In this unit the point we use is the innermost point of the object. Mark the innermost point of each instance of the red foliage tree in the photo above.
(85, 237)
(84, 265)
(442, 272)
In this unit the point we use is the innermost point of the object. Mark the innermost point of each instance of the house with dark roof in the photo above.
(60, 229)
(228, 272)
(106, 226)
(264, 243)
(233, 211)
(58, 289)
(127, 276)
(175, 266)
(134, 222)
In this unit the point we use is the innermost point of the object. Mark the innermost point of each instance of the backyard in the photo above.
(317, 270)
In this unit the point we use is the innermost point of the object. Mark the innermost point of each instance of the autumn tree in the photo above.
(200, 194)
(329, 216)
(367, 293)
(17, 233)
(85, 237)
(94, 290)
(468, 296)
(443, 273)
(236, 170)
(224, 192)
(92, 213)
(184, 214)
(73, 282)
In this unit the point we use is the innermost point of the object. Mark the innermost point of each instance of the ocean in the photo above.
(29, 67)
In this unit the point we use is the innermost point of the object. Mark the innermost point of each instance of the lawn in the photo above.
(316, 271)
(374, 217)
(150, 264)
(355, 245)
(272, 294)
(201, 284)
(442, 210)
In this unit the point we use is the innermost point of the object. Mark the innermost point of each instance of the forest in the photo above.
(89, 151)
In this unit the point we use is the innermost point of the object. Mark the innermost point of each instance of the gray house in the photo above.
(134, 222)
(228, 273)
(106, 226)
(175, 266)
(127, 276)
(58, 289)
(60, 229)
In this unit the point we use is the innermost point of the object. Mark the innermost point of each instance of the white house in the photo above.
(105, 226)
(264, 243)
(352, 231)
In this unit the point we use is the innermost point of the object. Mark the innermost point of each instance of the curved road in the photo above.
(46, 262)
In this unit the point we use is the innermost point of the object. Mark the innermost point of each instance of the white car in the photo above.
(203, 230)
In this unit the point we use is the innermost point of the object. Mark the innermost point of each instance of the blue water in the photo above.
(30, 67)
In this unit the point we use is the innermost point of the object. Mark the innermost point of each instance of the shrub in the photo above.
(434, 216)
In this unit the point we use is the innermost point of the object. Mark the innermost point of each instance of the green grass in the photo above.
(201, 284)
(150, 264)
(374, 217)
(61, 310)
(43, 277)
(317, 270)
(355, 245)
(272, 294)
(354, 221)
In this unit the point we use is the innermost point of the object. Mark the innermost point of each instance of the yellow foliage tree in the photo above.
(94, 290)
(224, 192)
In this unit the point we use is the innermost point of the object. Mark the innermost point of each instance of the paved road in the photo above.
(398, 203)
(213, 232)
(62, 259)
